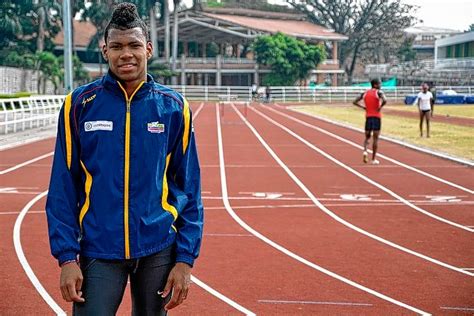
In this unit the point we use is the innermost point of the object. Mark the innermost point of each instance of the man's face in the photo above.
(424, 87)
(127, 52)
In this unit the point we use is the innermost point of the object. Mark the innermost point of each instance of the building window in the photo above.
(427, 38)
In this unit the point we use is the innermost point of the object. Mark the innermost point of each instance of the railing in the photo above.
(302, 94)
(39, 111)
(27, 113)
(455, 63)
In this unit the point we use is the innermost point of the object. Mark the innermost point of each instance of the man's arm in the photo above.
(357, 101)
(383, 98)
(432, 103)
(185, 171)
(62, 205)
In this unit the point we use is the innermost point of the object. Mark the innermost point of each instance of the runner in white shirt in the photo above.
(425, 103)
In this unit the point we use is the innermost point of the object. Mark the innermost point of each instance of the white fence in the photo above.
(26, 113)
(302, 94)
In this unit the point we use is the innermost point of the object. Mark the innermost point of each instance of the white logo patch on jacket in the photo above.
(98, 126)
(156, 127)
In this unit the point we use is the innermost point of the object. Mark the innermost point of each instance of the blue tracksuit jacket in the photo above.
(125, 181)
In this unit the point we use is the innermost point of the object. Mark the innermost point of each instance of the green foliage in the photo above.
(160, 71)
(290, 59)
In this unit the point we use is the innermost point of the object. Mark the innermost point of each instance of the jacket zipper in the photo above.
(127, 169)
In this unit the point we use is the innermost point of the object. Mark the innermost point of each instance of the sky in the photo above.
(451, 14)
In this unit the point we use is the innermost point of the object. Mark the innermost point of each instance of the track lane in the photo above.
(448, 170)
(394, 268)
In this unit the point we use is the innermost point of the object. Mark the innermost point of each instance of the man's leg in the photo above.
(103, 287)
(366, 144)
(375, 144)
(427, 117)
(149, 277)
(421, 122)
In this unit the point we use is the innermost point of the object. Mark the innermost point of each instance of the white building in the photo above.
(455, 52)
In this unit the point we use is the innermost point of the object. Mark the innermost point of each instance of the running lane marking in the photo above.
(221, 296)
(333, 215)
(360, 175)
(278, 246)
(24, 263)
(25, 163)
(314, 303)
(342, 139)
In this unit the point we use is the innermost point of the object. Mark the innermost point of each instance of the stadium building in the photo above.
(214, 45)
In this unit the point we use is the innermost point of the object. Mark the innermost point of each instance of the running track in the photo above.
(295, 223)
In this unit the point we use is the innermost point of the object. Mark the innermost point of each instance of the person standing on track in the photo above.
(124, 198)
(425, 102)
(374, 100)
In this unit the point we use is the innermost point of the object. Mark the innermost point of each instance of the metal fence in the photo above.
(26, 113)
(302, 94)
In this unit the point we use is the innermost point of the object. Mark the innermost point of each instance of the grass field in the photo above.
(448, 138)
(446, 110)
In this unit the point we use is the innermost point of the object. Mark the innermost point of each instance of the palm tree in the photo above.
(175, 39)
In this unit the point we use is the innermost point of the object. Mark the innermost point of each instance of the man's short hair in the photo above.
(373, 82)
(125, 17)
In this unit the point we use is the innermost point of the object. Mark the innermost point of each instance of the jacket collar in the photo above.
(110, 81)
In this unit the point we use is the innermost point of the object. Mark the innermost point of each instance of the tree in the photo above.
(290, 59)
(470, 28)
(369, 24)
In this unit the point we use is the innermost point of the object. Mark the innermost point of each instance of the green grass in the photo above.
(449, 138)
(15, 95)
(446, 110)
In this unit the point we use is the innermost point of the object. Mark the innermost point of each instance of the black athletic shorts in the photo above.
(373, 124)
(425, 111)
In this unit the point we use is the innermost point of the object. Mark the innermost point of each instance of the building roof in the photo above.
(83, 33)
(421, 29)
(283, 23)
(455, 39)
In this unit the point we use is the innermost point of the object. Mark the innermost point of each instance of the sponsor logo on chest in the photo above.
(156, 127)
(98, 126)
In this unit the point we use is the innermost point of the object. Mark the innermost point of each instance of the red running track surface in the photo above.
(259, 277)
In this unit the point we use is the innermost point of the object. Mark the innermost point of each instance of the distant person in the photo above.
(374, 99)
(268, 94)
(254, 92)
(425, 102)
(124, 202)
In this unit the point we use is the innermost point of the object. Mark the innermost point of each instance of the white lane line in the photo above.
(195, 115)
(26, 163)
(281, 248)
(471, 269)
(333, 215)
(228, 235)
(342, 139)
(390, 139)
(16, 213)
(314, 303)
(464, 309)
(360, 175)
(221, 296)
(45, 295)
(24, 263)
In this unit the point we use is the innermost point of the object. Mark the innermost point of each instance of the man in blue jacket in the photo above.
(125, 197)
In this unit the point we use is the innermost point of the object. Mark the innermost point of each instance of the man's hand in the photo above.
(178, 281)
(71, 283)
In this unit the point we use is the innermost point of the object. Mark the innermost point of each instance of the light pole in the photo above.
(67, 30)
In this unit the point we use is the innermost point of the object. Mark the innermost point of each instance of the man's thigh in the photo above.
(149, 278)
(103, 286)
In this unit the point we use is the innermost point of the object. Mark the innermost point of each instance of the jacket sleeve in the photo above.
(185, 172)
(62, 208)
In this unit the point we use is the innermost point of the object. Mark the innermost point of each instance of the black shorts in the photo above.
(425, 111)
(373, 124)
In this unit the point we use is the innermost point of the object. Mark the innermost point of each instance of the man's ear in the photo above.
(149, 50)
(104, 52)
